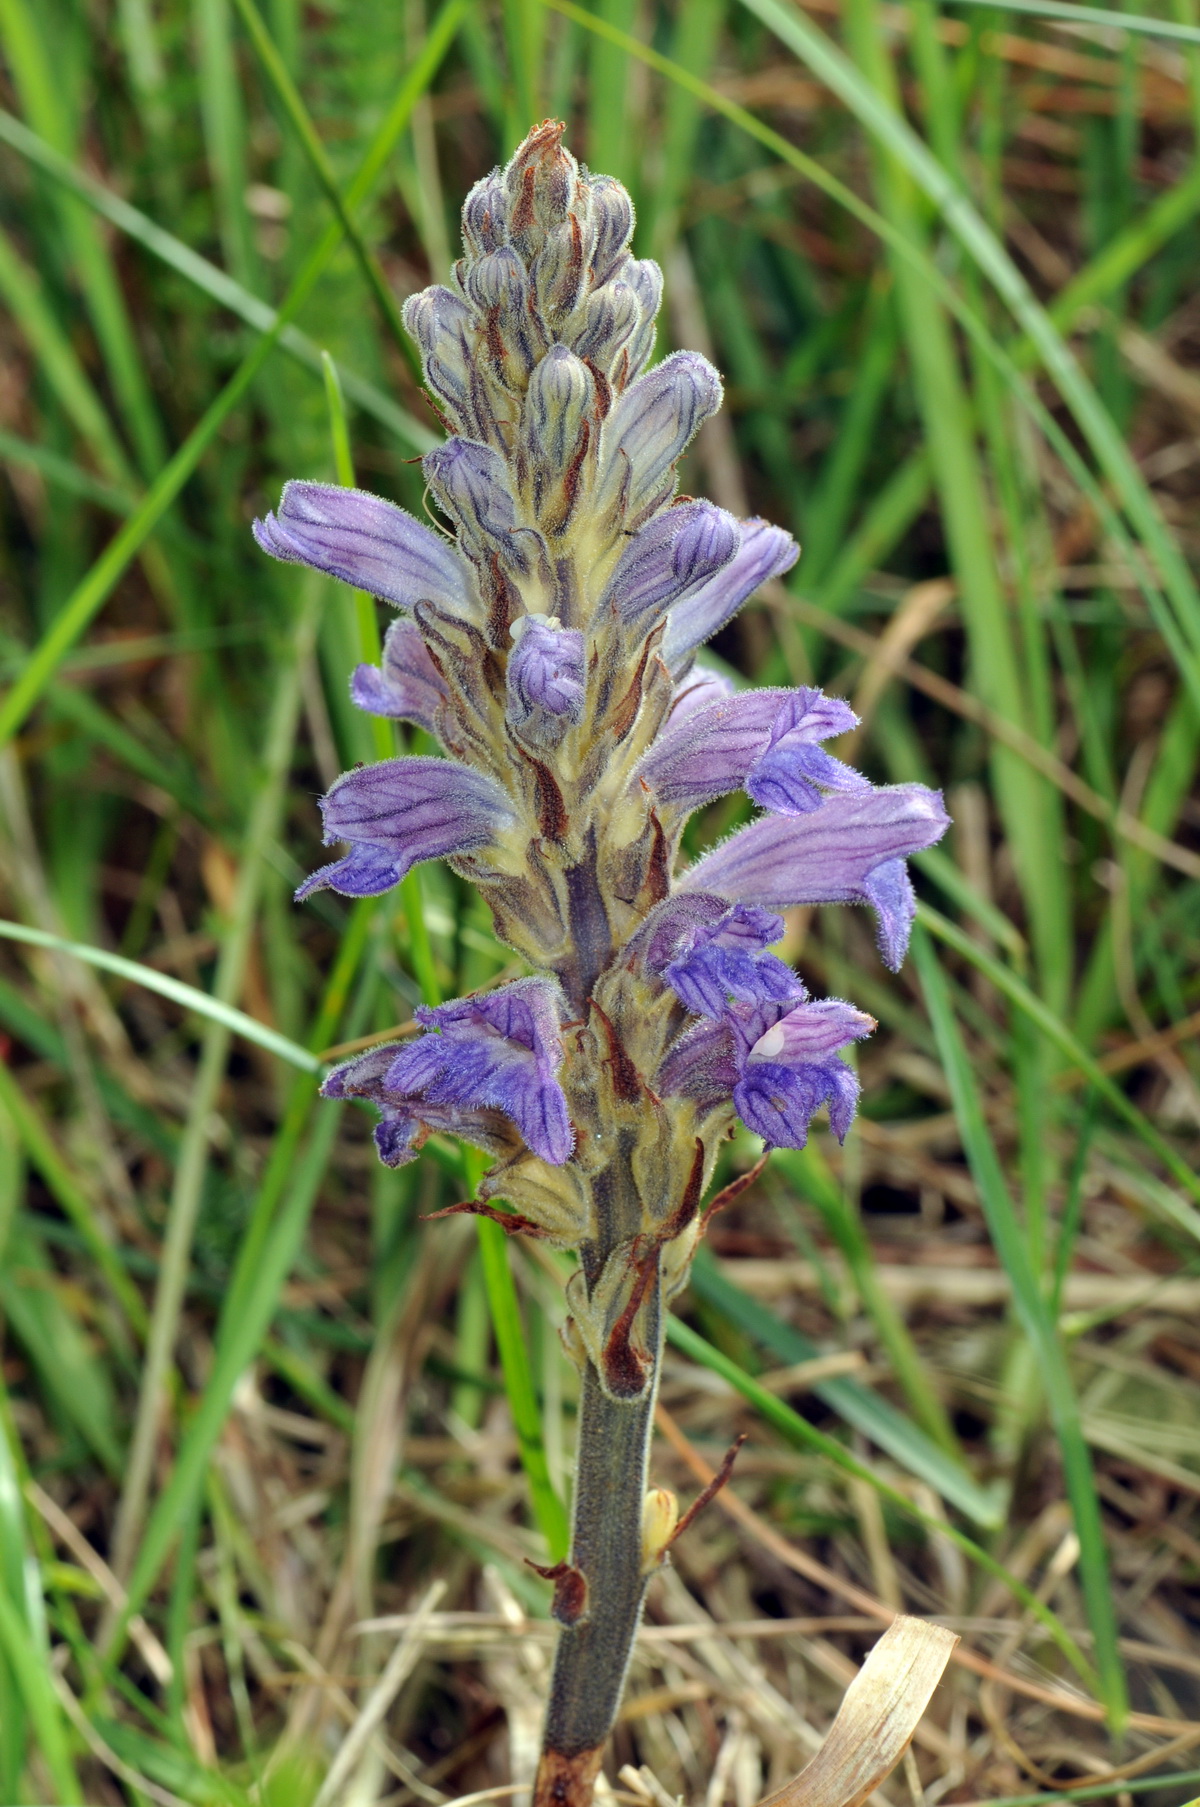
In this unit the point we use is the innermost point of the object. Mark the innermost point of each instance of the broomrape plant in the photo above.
(551, 647)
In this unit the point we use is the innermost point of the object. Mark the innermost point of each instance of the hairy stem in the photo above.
(606, 1550)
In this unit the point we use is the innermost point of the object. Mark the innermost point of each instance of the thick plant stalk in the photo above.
(608, 1571)
(551, 648)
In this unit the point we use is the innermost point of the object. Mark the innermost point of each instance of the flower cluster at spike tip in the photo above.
(551, 648)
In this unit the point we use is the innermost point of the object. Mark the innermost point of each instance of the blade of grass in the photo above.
(1028, 806)
(71, 1195)
(803, 1435)
(95, 588)
(208, 278)
(1008, 1238)
(306, 134)
(201, 1002)
(224, 123)
(509, 1331)
(192, 1165)
(265, 1257)
(1070, 13)
(1180, 615)
(860, 1406)
(30, 1663)
(1057, 1031)
(29, 58)
(966, 317)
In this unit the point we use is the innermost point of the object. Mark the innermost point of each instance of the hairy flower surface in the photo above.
(550, 646)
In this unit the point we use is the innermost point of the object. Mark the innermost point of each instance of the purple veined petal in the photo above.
(811, 1032)
(671, 556)
(779, 1102)
(443, 325)
(406, 1121)
(407, 687)
(701, 687)
(702, 1065)
(765, 552)
(366, 542)
(501, 1050)
(831, 855)
(765, 737)
(727, 959)
(793, 769)
(470, 480)
(706, 980)
(400, 812)
(651, 426)
(545, 669)
(498, 279)
(890, 893)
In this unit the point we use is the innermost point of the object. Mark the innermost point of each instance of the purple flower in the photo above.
(650, 428)
(366, 542)
(778, 1061)
(407, 686)
(500, 1051)
(545, 669)
(400, 812)
(792, 1069)
(671, 557)
(727, 959)
(850, 850)
(760, 741)
(765, 551)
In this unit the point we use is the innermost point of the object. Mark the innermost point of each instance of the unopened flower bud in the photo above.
(660, 1515)
(485, 216)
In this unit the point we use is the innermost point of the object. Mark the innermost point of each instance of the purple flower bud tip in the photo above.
(366, 542)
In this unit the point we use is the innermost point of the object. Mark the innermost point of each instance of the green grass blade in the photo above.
(201, 1002)
(1008, 1238)
(71, 1195)
(1071, 14)
(1057, 1031)
(31, 1666)
(831, 66)
(803, 1435)
(862, 1408)
(208, 278)
(509, 1330)
(96, 587)
(298, 117)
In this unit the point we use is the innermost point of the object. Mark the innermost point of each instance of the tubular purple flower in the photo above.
(727, 960)
(850, 850)
(650, 428)
(760, 741)
(471, 483)
(501, 1050)
(366, 542)
(407, 686)
(765, 552)
(545, 669)
(400, 812)
(670, 558)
